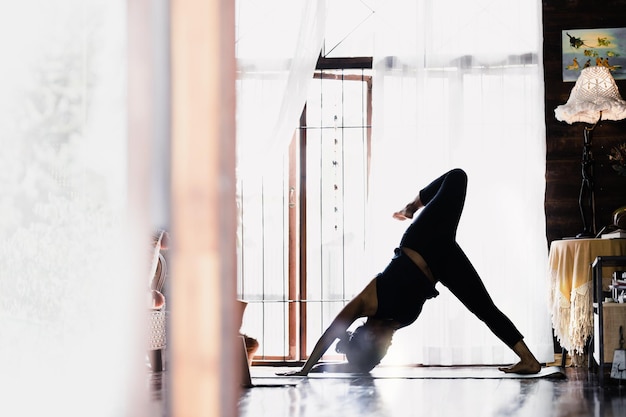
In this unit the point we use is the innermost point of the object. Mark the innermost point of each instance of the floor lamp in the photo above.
(595, 97)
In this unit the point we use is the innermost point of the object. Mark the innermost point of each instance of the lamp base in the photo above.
(581, 235)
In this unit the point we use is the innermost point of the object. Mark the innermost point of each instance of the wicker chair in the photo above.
(157, 319)
(252, 345)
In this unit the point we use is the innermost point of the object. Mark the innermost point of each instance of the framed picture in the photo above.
(590, 47)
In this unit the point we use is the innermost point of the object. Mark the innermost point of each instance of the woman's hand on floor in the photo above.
(299, 372)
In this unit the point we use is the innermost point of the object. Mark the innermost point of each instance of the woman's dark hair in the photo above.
(361, 350)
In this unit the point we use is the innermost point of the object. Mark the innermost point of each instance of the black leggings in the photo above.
(433, 235)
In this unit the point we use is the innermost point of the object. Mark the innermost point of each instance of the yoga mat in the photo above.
(425, 372)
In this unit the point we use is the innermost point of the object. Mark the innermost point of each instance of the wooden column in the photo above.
(203, 283)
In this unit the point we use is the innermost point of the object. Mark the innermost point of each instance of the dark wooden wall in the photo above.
(564, 141)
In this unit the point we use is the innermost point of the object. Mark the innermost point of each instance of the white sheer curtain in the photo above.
(69, 310)
(277, 46)
(459, 84)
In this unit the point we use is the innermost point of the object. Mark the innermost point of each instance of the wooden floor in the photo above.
(579, 394)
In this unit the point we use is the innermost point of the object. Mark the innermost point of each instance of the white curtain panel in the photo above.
(277, 46)
(70, 305)
(460, 84)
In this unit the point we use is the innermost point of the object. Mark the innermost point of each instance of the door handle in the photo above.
(292, 197)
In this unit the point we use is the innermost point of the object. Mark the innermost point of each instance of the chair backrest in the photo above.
(244, 365)
(159, 275)
(158, 266)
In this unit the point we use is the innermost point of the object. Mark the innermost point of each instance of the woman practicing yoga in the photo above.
(428, 253)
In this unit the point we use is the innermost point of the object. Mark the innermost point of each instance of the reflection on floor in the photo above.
(576, 395)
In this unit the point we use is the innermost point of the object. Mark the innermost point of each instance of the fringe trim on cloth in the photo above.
(561, 320)
(581, 321)
(572, 318)
(559, 311)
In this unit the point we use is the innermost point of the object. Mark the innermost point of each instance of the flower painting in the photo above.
(590, 47)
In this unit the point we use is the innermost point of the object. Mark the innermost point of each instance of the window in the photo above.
(302, 225)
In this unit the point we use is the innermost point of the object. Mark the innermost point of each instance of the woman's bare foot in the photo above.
(407, 212)
(402, 215)
(524, 368)
(527, 365)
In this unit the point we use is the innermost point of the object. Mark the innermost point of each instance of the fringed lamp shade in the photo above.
(595, 96)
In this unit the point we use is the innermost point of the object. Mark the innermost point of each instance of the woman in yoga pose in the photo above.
(428, 253)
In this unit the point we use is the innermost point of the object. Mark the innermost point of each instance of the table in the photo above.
(571, 292)
(615, 317)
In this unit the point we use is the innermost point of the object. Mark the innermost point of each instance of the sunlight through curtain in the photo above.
(277, 46)
(460, 84)
(69, 339)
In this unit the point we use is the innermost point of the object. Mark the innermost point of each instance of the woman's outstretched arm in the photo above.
(359, 306)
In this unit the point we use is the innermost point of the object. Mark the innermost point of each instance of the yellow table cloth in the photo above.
(571, 291)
